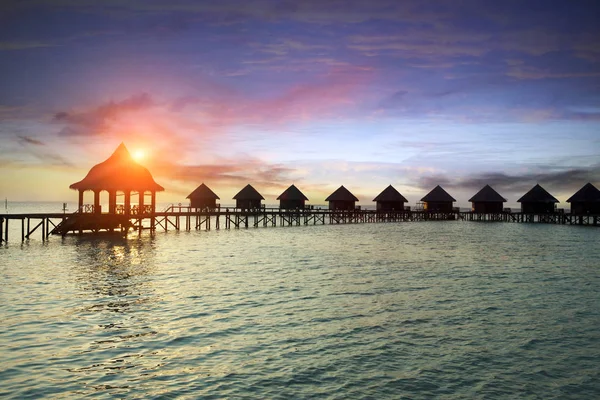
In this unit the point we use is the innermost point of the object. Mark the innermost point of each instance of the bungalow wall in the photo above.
(342, 205)
(487, 207)
(437, 206)
(585, 207)
(203, 203)
(537, 208)
(248, 204)
(292, 204)
(390, 206)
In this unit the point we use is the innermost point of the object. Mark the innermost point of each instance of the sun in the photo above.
(138, 155)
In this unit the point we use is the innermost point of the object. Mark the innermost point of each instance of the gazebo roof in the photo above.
(248, 193)
(537, 194)
(487, 195)
(118, 172)
(292, 193)
(341, 194)
(588, 193)
(390, 194)
(438, 194)
(202, 192)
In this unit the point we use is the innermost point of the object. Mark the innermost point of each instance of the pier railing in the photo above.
(180, 217)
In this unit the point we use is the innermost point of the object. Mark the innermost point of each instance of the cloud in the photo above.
(95, 121)
(40, 151)
(529, 72)
(285, 46)
(307, 11)
(327, 95)
(30, 140)
(563, 180)
(227, 172)
(23, 45)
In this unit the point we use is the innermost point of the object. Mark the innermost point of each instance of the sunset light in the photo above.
(364, 94)
(300, 199)
(138, 155)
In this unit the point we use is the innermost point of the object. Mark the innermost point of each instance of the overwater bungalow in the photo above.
(438, 200)
(342, 199)
(390, 200)
(203, 198)
(537, 201)
(487, 200)
(586, 200)
(248, 198)
(292, 198)
(118, 174)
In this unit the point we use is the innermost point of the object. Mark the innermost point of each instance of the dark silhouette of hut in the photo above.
(487, 200)
(537, 201)
(342, 199)
(119, 173)
(203, 198)
(586, 200)
(438, 200)
(390, 200)
(292, 198)
(248, 198)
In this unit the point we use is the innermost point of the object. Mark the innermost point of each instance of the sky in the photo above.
(315, 93)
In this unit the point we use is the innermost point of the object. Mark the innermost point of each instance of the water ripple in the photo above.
(424, 310)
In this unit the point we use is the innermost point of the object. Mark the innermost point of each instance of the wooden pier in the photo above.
(186, 218)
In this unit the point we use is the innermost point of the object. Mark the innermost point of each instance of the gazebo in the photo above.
(341, 199)
(537, 201)
(438, 200)
(487, 200)
(586, 200)
(248, 198)
(292, 198)
(390, 200)
(119, 173)
(203, 197)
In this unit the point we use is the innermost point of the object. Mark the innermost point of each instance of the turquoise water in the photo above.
(408, 310)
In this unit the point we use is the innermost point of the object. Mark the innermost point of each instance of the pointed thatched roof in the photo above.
(537, 194)
(390, 194)
(341, 194)
(438, 194)
(118, 172)
(588, 193)
(292, 193)
(487, 195)
(203, 192)
(248, 193)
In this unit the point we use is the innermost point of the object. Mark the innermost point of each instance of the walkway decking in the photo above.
(184, 218)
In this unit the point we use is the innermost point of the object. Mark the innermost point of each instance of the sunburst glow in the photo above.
(138, 155)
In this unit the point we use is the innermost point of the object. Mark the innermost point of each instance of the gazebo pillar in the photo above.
(141, 202)
(97, 209)
(112, 201)
(127, 195)
(153, 201)
(80, 206)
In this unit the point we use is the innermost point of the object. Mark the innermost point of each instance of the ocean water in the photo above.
(416, 310)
